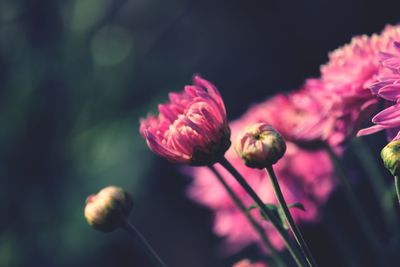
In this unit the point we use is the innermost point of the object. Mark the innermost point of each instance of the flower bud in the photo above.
(105, 210)
(260, 145)
(391, 157)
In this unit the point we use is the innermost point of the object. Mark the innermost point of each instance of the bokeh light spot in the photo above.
(9, 10)
(111, 45)
(85, 13)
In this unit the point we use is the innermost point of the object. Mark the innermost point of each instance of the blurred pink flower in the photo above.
(247, 263)
(305, 176)
(192, 128)
(387, 86)
(306, 114)
(346, 77)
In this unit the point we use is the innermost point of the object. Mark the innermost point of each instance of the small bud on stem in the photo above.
(105, 210)
(260, 145)
(391, 157)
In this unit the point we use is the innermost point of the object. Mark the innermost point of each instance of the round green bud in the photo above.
(391, 157)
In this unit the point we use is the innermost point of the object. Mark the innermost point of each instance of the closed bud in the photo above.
(260, 145)
(391, 157)
(105, 210)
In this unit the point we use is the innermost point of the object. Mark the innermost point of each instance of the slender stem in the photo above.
(293, 248)
(396, 185)
(131, 229)
(376, 179)
(257, 227)
(292, 225)
(355, 205)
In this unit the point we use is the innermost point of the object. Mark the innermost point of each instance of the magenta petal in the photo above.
(392, 63)
(384, 56)
(198, 81)
(370, 130)
(390, 92)
(388, 117)
(382, 82)
(158, 148)
(191, 90)
(167, 112)
(397, 137)
(392, 133)
(211, 89)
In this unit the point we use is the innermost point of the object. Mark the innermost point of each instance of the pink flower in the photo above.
(306, 114)
(192, 128)
(346, 77)
(305, 176)
(247, 263)
(387, 86)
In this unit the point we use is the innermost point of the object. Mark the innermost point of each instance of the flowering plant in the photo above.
(292, 145)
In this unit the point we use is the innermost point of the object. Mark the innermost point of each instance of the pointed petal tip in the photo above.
(369, 130)
(196, 76)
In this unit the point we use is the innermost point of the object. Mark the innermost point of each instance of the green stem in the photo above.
(269, 215)
(396, 185)
(256, 226)
(131, 229)
(376, 179)
(355, 205)
(292, 225)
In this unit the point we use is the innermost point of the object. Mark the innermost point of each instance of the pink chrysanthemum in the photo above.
(192, 128)
(345, 78)
(247, 263)
(305, 176)
(387, 86)
(306, 115)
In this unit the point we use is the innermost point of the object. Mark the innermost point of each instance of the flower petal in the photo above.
(388, 117)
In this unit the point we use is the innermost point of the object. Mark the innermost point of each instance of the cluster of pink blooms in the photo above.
(348, 74)
(300, 178)
(330, 109)
(192, 129)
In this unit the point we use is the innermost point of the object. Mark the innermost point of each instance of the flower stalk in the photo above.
(293, 249)
(397, 186)
(109, 209)
(292, 225)
(256, 226)
(377, 181)
(135, 233)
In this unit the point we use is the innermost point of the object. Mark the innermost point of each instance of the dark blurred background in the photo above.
(76, 76)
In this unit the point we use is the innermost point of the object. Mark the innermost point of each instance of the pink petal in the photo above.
(397, 137)
(370, 130)
(212, 90)
(390, 92)
(388, 117)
